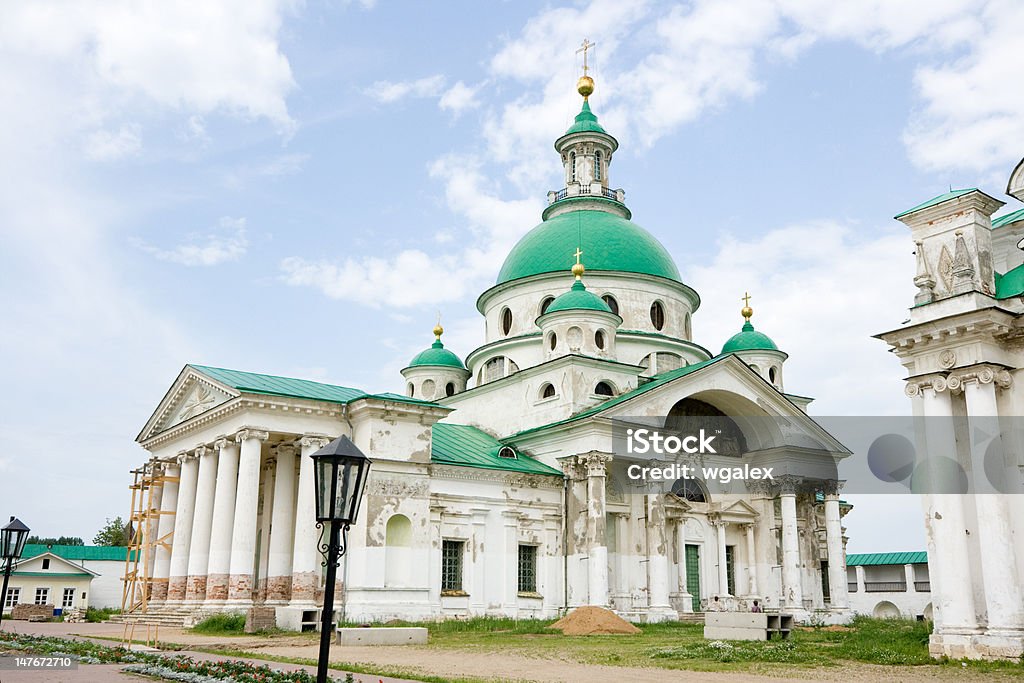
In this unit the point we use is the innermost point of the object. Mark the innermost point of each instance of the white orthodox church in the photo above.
(489, 491)
(963, 348)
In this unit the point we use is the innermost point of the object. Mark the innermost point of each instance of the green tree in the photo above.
(58, 540)
(114, 532)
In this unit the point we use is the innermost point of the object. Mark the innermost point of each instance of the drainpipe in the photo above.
(565, 544)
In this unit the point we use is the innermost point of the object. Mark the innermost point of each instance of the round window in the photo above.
(599, 339)
(506, 321)
(657, 315)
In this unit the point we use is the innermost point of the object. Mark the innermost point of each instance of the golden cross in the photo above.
(746, 299)
(578, 254)
(586, 46)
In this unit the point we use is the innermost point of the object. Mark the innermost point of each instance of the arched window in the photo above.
(597, 166)
(397, 551)
(687, 329)
(689, 490)
(410, 390)
(657, 315)
(548, 390)
(691, 415)
(612, 303)
(572, 161)
(449, 389)
(428, 389)
(506, 321)
(604, 389)
(552, 340)
(494, 369)
(599, 339)
(668, 362)
(772, 375)
(547, 301)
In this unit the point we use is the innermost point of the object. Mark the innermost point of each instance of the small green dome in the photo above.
(586, 122)
(437, 355)
(611, 243)
(749, 339)
(578, 298)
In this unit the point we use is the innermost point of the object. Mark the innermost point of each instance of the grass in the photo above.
(226, 623)
(94, 615)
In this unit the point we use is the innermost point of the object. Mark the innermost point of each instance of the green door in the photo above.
(693, 574)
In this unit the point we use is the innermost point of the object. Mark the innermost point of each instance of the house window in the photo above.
(13, 597)
(612, 303)
(42, 596)
(68, 600)
(46, 563)
(597, 166)
(527, 569)
(604, 389)
(548, 300)
(730, 568)
(547, 391)
(449, 389)
(599, 339)
(506, 321)
(494, 369)
(451, 566)
(572, 158)
(657, 315)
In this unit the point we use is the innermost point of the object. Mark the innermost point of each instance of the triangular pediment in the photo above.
(58, 565)
(191, 395)
(738, 511)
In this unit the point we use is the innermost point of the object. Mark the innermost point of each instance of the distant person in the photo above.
(756, 607)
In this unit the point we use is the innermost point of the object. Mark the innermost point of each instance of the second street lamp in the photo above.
(340, 471)
(12, 543)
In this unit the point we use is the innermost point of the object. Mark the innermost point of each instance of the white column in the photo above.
(223, 519)
(597, 548)
(202, 521)
(265, 510)
(684, 589)
(165, 532)
(183, 517)
(910, 577)
(243, 533)
(282, 527)
(723, 565)
(622, 551)
(861, 579)
(953, 598)
(792, 592)
(660, 607)
(838, 598)
(753, 589)
(1004, 601)
(306, 557)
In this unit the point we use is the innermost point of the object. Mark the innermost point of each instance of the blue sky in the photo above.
(298, 188)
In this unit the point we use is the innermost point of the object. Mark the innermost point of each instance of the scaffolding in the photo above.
(144, 521)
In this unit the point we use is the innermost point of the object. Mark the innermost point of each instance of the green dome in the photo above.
(749, 340)
(437, 355)
(586, 122)
(578, 298)
(609, 243)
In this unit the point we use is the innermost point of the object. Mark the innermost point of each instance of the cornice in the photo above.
(518, 479)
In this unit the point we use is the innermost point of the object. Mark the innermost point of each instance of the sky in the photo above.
(298, 188)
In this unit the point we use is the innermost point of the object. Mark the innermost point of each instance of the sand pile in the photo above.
(588, 621)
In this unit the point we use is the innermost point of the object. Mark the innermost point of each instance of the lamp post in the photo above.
(340, 471)
(12, 543)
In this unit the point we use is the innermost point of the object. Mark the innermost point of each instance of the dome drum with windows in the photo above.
(435, 372)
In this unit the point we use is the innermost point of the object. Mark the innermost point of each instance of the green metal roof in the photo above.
(952, 194)
(586, 122)
(466, 446)
(609, 243)
(437, 355)
(54, 574)
(1011, 284)
(749, 339)
(867, 559)
(78, 552)
(1013, 217)
(272, 385)
(654, 383)
(578, 298)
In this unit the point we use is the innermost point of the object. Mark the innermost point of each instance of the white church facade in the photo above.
(490, 491)
(963, 349)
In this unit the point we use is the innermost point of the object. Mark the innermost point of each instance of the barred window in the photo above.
(68, 599)
(451, 565)
(527, 569)
(42, 596)
(13, 596)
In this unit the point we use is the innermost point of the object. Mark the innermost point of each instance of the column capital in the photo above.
(286, 449)
(788, 485)
(200, 450)
(594, 462)
(183, 457)
(831, 488)
(316, 441)
(247, 433)
(269, 464)
(222, 442)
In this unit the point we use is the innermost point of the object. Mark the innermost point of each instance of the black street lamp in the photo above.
(12, 543)
(340, 471)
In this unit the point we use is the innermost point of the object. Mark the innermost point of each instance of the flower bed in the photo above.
(168, 667)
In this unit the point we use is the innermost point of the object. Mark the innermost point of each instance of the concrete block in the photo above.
(400, 635)
(729, 633)
(737, 619)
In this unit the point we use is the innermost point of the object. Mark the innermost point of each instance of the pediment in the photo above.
(738, 511)
(57, 564)
(191, 395)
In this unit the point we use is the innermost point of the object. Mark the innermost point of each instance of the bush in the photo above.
(228, 622)
(94, 615)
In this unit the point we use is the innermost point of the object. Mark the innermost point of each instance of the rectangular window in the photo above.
(46, 563)
(69, 598)
(451, 566)
(527, 569)
(42, 596)
(825, 588)
(730, 573)
(13, 597)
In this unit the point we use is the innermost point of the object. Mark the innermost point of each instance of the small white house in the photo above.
(889, 585)
(67, 576)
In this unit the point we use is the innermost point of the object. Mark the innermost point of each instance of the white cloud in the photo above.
(104, 145)
(392, 91)
(459, 98)
(229, 243)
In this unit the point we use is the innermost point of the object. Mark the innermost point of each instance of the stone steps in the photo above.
(691, 617)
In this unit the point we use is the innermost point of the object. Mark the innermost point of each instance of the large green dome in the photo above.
(749, 339)
(437, 355)
(609, 243)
